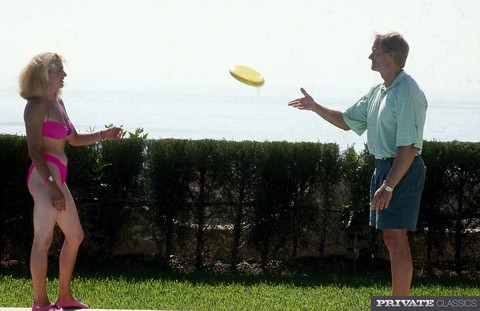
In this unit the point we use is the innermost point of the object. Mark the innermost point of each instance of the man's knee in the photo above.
(395, 239)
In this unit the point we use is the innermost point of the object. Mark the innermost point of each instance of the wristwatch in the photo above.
(387, 188)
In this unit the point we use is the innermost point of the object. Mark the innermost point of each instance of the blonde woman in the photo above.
(48, 127)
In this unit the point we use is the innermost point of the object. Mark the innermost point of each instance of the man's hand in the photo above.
(381, 199)
(303, 103)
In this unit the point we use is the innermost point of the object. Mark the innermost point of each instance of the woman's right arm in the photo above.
(33, 116)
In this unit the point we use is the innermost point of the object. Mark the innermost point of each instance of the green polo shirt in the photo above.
(393, 116)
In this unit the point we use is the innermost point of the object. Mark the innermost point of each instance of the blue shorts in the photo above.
(402, 211)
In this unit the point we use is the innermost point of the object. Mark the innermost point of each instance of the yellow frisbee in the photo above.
(247, 75)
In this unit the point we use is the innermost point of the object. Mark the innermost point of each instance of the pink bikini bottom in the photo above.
(62, 168)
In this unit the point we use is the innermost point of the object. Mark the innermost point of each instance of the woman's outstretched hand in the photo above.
(112, 133)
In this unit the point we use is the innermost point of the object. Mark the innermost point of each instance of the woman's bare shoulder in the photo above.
(35, 108)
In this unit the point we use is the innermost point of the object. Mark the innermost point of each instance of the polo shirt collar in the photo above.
(397, 80)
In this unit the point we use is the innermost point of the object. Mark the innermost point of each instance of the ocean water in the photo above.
(238, 118)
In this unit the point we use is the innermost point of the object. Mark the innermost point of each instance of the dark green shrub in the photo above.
(170, 171)
(203, 201)
(16, 204)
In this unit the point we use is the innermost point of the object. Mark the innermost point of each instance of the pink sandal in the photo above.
(50, 307)
(73, 304)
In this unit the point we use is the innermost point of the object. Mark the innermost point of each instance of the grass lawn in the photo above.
(146, 288)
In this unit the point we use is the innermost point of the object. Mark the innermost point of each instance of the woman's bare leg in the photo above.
(69, 223)
(44, 219)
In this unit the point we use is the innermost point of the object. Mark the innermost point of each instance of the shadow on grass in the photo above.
(149, 272)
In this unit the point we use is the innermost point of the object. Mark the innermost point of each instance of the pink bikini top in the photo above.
(56, 130)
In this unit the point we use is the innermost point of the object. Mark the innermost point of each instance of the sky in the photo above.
(187, 46)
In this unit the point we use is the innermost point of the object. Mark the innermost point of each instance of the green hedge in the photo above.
(197, 202)
(16, 203)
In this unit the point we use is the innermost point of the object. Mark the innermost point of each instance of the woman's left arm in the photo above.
(84, 139)
(75, 139)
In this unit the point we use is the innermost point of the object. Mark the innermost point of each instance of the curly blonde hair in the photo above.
(34, 79)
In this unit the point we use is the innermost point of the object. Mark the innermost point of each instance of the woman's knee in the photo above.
(75, 237)
(42, 241)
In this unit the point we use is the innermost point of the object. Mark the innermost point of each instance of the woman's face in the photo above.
(56, 75)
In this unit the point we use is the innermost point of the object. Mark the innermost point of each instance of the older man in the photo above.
(393, 114)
